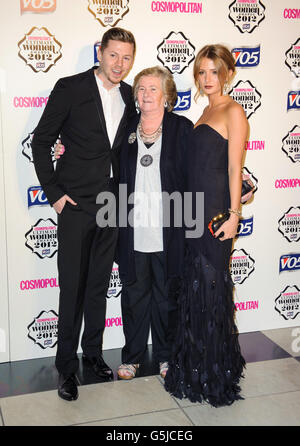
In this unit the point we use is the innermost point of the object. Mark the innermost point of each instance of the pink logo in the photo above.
(247, 305)
(190, 7)
(29, 102)
(291, 13)
(255, 145)
(113, 321)
(287, 183)
(38, 283)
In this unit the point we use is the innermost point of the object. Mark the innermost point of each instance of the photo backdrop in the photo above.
(44, 40)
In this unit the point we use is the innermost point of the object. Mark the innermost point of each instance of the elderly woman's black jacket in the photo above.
(175, 139)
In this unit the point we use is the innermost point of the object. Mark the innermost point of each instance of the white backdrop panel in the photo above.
(33, 287)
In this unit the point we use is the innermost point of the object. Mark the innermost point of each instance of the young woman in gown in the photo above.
(207, 363)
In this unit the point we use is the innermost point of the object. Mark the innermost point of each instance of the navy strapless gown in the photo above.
(206, 362)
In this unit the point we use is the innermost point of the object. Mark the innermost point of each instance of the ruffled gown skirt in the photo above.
(206, 363)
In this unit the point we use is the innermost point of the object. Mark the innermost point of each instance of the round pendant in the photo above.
(146, 160)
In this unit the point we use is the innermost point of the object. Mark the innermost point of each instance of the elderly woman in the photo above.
(151, 253)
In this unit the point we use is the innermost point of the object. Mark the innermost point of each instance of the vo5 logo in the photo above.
(245, 227)
(183, 100)
(37, 5)
(36, 197)
(293, 101)
(246, 57)
(289, 262)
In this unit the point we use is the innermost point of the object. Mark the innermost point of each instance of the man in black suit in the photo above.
(89, 111)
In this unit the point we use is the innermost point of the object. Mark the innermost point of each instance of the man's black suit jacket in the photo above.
(74, 111)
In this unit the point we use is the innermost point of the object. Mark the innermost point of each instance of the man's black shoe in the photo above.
(67, 387)
(99, 367)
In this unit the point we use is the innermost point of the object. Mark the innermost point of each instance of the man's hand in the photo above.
(60, 204)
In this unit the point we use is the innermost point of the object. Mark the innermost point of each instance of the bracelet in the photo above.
(236, 212)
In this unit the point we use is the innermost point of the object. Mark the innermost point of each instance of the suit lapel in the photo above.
(97, 98)
(96, 95)
(127, 101)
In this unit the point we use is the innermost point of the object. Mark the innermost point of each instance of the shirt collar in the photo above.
(111, 90)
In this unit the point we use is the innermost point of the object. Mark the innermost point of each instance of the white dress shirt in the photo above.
(113, 109)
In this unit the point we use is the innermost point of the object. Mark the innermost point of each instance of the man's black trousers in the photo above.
(85, 259)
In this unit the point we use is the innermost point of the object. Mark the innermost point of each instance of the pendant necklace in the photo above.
(148, 138)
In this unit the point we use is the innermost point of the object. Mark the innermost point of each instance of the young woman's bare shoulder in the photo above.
(234, 108)
(236, 117)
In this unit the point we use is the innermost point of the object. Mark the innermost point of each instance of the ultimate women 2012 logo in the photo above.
(246, 14)
(288, 302)
(39, 49)
(247, 96)
(41, 239)
(291, 144)
(292, 60)
(43, 330)
(289, 224)
(241, 266)
(176, 52)
(108, 12)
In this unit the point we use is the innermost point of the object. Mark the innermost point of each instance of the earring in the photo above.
(166, 104)
(201, 92)
(137, 106)
(226, 88)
